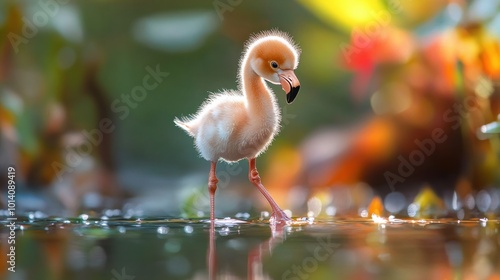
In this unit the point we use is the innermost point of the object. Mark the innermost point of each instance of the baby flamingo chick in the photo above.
(233, 125)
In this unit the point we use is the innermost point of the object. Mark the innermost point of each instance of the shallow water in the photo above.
(166, 248)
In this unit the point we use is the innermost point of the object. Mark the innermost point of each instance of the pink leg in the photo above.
(212, 187)
(253, 175)
(212, 256)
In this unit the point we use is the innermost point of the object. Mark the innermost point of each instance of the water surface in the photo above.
(168, 248)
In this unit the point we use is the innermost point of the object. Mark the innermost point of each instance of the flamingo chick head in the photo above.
(274, 56)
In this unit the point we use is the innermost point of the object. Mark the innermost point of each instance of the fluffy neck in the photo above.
(259, 98)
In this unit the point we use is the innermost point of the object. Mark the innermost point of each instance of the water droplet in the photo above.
(112, 212)
(40, 215)
(364, 213)
(331, 210)
(162, 230)
(495, 199)
(423, 222)
(264, 215)
(92, 200)
(314, 206)
(413, 209)
(394, 220)
(224, 231)
(121, 229)
(483, 201)
(394, 202)
(377, 219)
(108, 212)
(240, 215)
(455, 202)
(84, 217)
(310, 214)
(188, 229)
(483, 221)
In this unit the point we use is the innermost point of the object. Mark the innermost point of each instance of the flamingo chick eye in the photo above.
(274, 64)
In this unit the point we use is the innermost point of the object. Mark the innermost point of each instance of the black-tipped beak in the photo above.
(290, 85)
(290, 96)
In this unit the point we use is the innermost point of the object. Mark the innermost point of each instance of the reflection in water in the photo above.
(212, 254)
(338, 248)
(436, 249)
(255, 257)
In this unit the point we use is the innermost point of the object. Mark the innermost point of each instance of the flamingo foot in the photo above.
(278, 221)
(278, 217)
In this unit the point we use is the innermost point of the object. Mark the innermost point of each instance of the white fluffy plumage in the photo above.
(233, 125)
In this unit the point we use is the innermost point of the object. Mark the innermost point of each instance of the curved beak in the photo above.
(290, 84)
